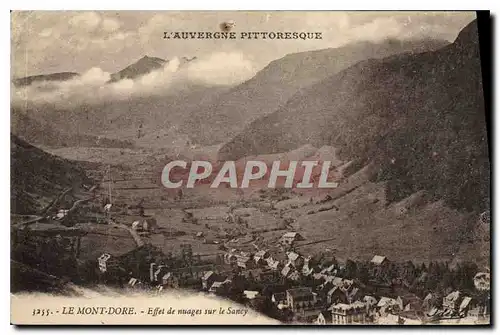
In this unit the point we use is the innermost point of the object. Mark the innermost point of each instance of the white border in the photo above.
(198, 5)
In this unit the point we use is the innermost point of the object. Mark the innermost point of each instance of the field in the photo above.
(354, 221)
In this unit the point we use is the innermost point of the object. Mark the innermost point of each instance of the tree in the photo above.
(350, 269)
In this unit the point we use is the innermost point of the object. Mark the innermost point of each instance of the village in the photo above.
(295, 288)
(247, 252)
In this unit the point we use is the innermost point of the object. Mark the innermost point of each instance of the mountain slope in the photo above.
(60, 76)
(115, 119)
(40, 132)
(143, 66)
(38, 177)
(420, 117)
(278, 81)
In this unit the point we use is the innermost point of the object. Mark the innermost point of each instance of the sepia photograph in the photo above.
(319, 168)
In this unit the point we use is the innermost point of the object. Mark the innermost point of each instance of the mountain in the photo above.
(419, 117)
(40, 132)
(60, 76)
(143, 66)
(114, 121)
(38, 177)
(277, 82)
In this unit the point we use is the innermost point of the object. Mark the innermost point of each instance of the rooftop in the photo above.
(207, 275)
(378, 259)
(342, 306)
(294, 235)
(385, 301)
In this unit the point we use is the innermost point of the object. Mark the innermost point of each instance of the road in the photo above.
(138, 240)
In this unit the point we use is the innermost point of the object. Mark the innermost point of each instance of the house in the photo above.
(324, 317)
(306, 271)
(435, 313)
(294, 276)
(452, 301)
(465, 306)
(61, 214)
(478, 312)
(335, 295)
(295, 259)
(402, 318)
(253, 274)
(371, 306)
(279, 298)
(260, 257)
(428, 302)
(103, 262)
(194, 273)
(246, 254)
(286, 271)
(482, 281)
(250, 294)
(152, 269)
(370, 301)
(160, 271)
(133, 282)
(386, 305)
(291, 237)
(244, 262)
(273, 264)
(170, 280)
(319, 278)
(264, 276)
(308, 262)
(409, 302)
(336, 281)
(323, 290)
(348, 313)
(329, 270)
(347, 284)
(135, 225)
(300, 298)
(208, 279)
(230, 257)
(220, 287)
(379, 261)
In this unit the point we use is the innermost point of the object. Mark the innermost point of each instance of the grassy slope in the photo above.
(277, 82)
(420, 117)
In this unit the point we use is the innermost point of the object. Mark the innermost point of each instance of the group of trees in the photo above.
(436, 277)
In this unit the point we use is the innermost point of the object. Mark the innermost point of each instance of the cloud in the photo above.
(45, 42)
(47, 32)
(110, 24)
(86, 20)
(94, 86)
(222, 68)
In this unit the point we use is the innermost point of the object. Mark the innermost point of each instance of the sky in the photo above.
(76, 41)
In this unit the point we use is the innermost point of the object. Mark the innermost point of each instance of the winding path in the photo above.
(138, 240)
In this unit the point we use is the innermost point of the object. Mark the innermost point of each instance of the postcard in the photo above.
(321, 168)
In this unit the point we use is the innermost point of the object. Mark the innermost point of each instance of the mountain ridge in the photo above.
(379, 109)
(280, 79)
(57, 76)
(139, 68)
